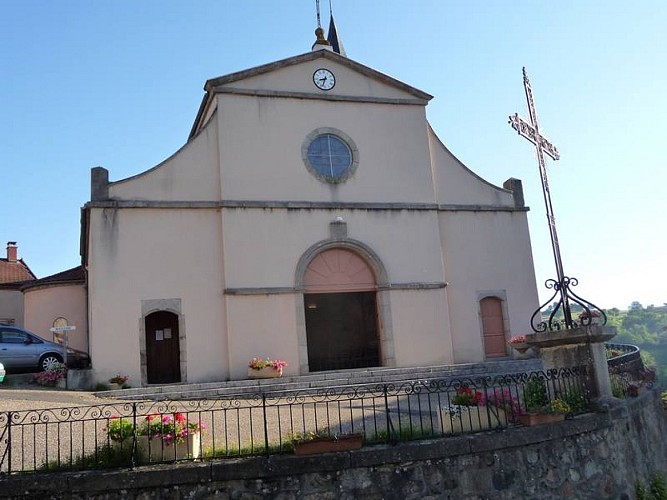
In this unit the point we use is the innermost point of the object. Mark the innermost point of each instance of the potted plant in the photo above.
(54, 376)
(166, 437)
(117, 382)
(119, 429)
(468, 413)
(503, 399)
(159, 437)
(324, 441)
(587, 318)
(266, 368)
(539, 410)
(518, 342)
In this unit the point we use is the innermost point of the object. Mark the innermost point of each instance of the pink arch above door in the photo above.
(338, 270)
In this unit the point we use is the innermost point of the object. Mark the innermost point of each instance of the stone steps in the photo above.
(320, 380)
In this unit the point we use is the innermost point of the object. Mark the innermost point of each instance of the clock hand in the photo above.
(323, 79)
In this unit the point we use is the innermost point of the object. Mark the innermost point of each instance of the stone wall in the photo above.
(594, 456)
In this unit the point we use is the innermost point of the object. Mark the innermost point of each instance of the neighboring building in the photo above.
(58, 300)
(313, 216)
(14, 272)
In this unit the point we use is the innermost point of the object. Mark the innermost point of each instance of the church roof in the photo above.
(213, 84)
(74, 275)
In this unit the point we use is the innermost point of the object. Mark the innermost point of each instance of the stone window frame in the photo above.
(343, 137)
(156, 305)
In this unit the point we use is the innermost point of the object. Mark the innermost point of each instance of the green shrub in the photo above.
(106, 457)
(576, 400)
(658, 486)
(535, 395)
(657, 489)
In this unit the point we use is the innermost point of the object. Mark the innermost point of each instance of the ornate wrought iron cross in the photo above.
(561, 286)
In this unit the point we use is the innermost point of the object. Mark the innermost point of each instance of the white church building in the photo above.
(312, 216)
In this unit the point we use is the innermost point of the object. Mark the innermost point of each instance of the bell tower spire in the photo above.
(332, 35)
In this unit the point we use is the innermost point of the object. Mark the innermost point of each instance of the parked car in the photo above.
(21, 349)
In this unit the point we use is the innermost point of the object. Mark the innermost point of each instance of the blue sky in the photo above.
(117, 84)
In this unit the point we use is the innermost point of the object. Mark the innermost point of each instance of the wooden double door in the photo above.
(163, 350)
(342, 330)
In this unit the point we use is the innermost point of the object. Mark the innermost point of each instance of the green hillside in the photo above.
(645, 327)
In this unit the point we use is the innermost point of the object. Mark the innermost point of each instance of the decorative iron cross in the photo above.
(531, 131)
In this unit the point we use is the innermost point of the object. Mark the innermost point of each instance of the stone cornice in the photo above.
(302, 205)
(277, 290)
(319, 97)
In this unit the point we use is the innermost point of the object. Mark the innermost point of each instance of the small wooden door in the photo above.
(342, 331)
(493, 326)
(163, 352)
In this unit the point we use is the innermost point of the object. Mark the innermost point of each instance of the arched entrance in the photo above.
(493, 327)
(163, 353)
(340, 307)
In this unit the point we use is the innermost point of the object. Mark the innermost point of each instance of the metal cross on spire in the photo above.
(561, 286)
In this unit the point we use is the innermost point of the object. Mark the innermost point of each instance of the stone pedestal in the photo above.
(582, 346)
(81, 380)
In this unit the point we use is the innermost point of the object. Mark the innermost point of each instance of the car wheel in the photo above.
(49, 360)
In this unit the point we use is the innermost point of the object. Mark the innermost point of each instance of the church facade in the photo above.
(313, 216)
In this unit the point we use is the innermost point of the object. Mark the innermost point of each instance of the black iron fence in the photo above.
(627, 372)
(121, 435)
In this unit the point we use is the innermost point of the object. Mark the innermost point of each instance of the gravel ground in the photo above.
(17, 394)
(61, 425)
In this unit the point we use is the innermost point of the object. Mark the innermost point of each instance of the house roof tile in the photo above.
(15, 271)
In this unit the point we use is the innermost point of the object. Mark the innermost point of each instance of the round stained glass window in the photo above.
(330, 157)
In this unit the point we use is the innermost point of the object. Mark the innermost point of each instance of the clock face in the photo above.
(324, 79)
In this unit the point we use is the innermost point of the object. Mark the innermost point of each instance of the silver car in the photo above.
(21, 349)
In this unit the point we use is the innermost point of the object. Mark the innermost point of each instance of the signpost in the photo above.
(63, 329)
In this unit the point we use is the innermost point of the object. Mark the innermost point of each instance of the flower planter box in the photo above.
(329, 445)
(457, 419)
(530, 419)
(266, 372)
(522, 347)
(158, 450)
(115, 387)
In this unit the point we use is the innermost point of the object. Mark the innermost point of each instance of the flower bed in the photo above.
(52, 376)
(266, 368)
